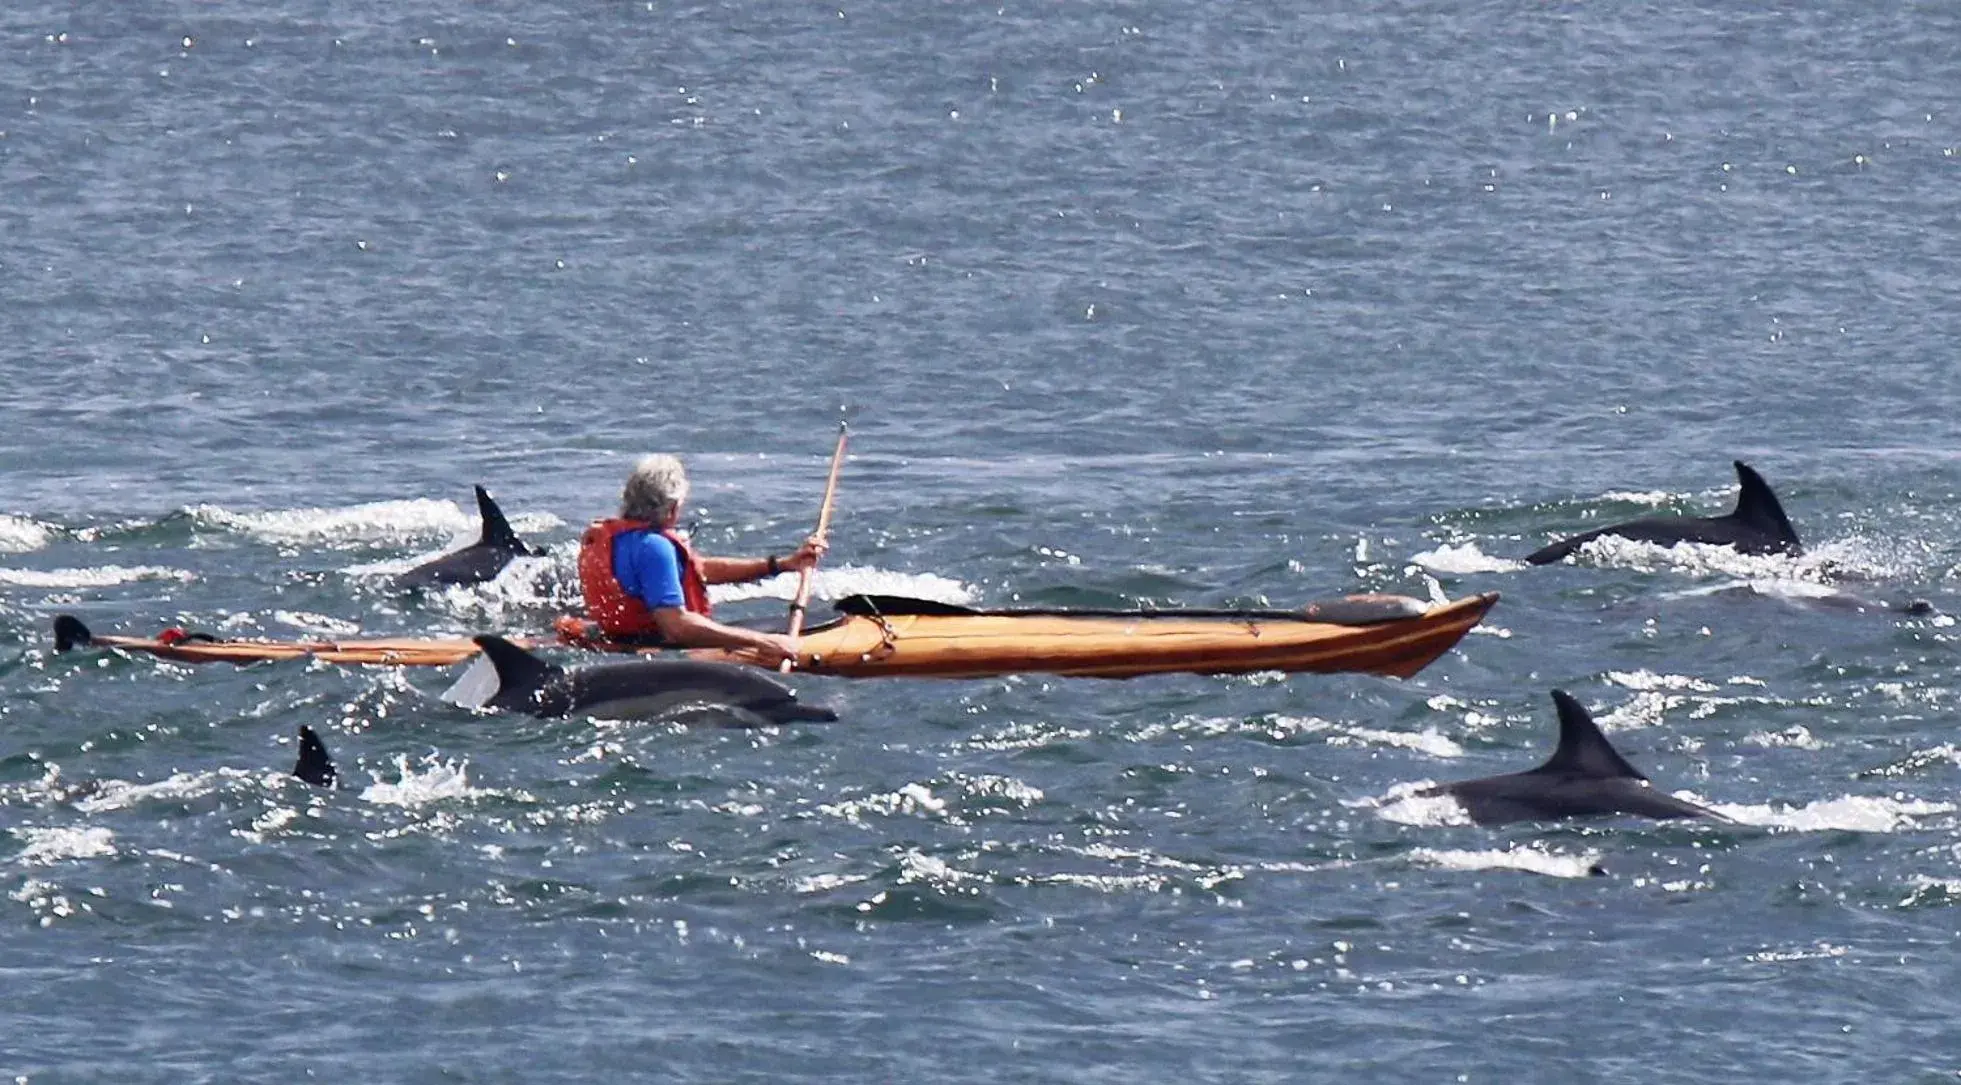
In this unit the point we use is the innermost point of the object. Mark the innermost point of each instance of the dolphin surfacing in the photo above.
(314, 765)
(476, 563)
(510, 678)
(1585, 777)
(1756, 526)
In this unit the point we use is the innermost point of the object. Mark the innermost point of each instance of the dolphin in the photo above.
(1756, 526)
(1585, 777)
(508, 677)
(314, 766)
(476, 563)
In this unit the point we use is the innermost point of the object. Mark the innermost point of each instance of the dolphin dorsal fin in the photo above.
(1583, 750)
(314, 766)
(69, 632)
(496, 529)
(1758, 507)
(518, 671)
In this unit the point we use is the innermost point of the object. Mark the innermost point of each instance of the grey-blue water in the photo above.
(1165, 302)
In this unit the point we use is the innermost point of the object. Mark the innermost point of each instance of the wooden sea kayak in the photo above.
(876, 637)
(175, 644)
(884, 636)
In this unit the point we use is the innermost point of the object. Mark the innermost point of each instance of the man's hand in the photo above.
(806, 556)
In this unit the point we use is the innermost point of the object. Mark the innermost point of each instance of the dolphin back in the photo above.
(1756, 526)
(1585, 777)
(658, 687)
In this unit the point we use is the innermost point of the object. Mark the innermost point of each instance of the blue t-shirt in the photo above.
(649, 568)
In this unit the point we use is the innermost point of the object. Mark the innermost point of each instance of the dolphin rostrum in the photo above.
(1756, 526)
(476, 563)
(1585, 777)
(314, 766)
(508, 677)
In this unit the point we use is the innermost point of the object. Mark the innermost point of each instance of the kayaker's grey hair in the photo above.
(656, 487)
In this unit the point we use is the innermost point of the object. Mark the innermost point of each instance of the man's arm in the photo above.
(687, 629)
(741, 570)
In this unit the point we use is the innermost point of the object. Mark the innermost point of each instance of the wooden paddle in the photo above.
(800, 604)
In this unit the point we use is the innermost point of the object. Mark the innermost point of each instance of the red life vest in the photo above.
(617, 612)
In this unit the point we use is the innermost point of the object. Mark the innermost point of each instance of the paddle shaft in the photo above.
(800, 604)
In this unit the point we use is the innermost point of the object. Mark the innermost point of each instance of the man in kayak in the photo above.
(641, 579)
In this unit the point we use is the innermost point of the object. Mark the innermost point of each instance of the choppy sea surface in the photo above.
(1159, 303)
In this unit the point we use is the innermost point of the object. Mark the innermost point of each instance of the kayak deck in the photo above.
(1126, 645)
(933, 641)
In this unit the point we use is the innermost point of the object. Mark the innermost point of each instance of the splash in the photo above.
(1651, 498)
(122, 795)
(104, 576)
(435, 781)
(524, 585)
(1529, 859)
(1852, 558)
(1849, 813)
(913, 799)
(321, 624)
(1406, 804)
(1796, 737)
(1464, 559)
(846, 580)
(1428, 741)
(1281, 728)
(18, 534)
(1821, 951)
(1647, 680)
(380, 522)
(53, 844)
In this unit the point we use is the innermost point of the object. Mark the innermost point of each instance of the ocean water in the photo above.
(1127, 303)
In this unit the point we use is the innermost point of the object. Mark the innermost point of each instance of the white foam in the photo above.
(1924, 888)
(1000, 787)
(1527, 858)
(1651, 498)
(268, 824)
(1820, 564)
(846, 580)
(1850, 813)
(1406, 805)
(1645, 710)
(1817, 952)
(1464, 559)
(18, 534)
(53, 844)
(102, 576)
(1427, 741)
(321, 624)
(48, 901)
(917, 866)
(914, 799)
(1280, 728)
(121, 794)
(376, 522)
(435, 781)
(1796, 737)
(1649, 680)
(824, 883)
(525, 584)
